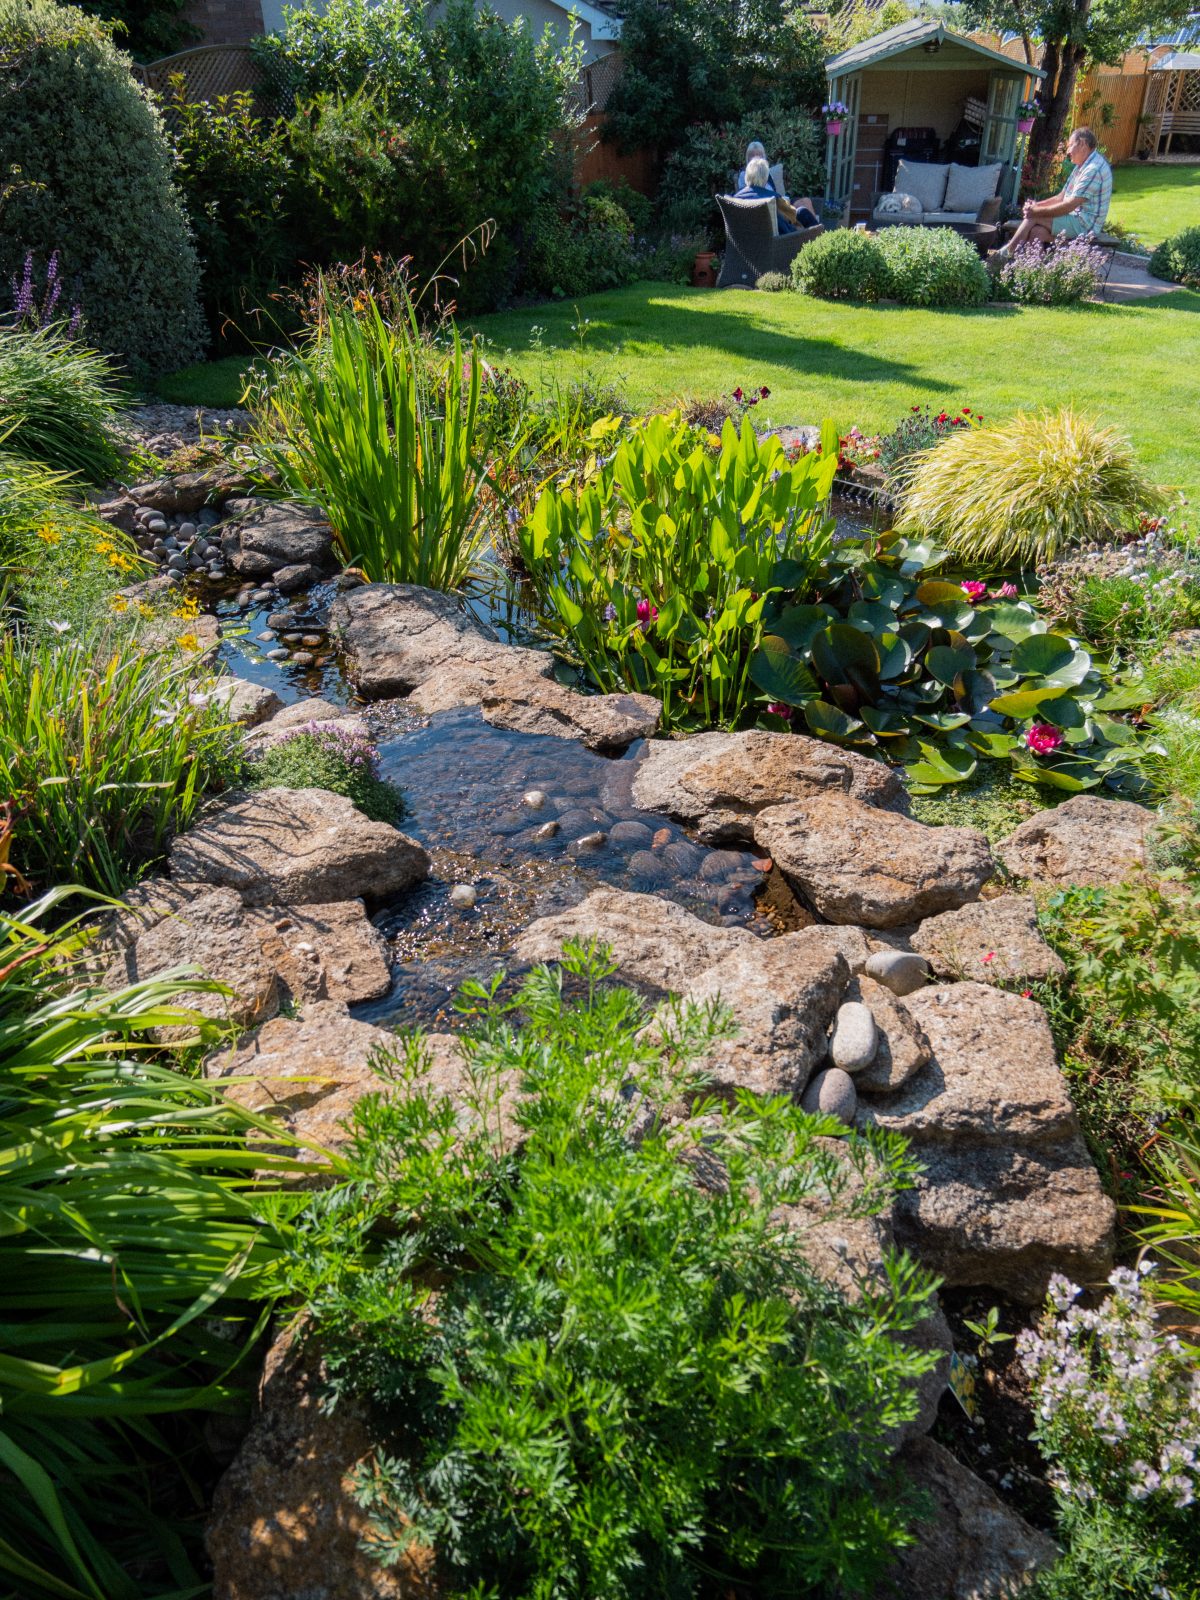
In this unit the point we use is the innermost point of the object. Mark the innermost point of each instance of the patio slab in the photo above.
(1130, 279)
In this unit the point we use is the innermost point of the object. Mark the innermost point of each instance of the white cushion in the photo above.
(898, 204)
(945, 219)
(968, 187)
(924, 179)
(777, 177)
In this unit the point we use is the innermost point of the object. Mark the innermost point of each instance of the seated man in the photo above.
(1079, 211)
(758, 186)
(804, 207)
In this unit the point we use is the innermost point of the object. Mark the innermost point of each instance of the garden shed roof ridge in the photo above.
(895, 41)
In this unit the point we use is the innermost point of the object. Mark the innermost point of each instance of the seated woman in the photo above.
(758, 186)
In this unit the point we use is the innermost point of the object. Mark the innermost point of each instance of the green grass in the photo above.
(215, 384)
(870, 364)
(1155, 202)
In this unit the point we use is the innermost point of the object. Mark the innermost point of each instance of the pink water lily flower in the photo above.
(776, 709)
(1006, 591)
(975, 591)
(1042, 738)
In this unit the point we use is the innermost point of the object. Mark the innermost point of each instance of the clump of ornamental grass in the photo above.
(325, 755)
(59, 402)
(106, 748)
(1023, 491)
(1117, 1414)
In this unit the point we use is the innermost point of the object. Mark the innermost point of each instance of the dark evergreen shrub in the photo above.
(95, 183)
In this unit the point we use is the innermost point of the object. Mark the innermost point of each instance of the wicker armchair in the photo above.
(751, 244)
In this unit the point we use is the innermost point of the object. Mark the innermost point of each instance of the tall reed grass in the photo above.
(389, 439)
(59, 402)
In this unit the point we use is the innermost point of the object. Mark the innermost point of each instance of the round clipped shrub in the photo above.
(932, 267)
(95, 184)
(772, 282)
(1178, 258)
(1025, 490)
(841, 265)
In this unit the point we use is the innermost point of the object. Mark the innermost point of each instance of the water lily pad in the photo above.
(947, 663)
(1042, 654)
(779, 671)
(827, 722)
(843, 654)
(1025, 702)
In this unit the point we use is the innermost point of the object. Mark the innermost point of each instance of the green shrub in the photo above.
(710, 154)
(632, 1379)
(773, 282)
(639, 208)
(58, 403)
(657, 573)
(580, 248)
(98, 186)
(1060, 275)
(1123, 609)
(669, 260)
(1171, 683)
(433, 126)
(932, 267)
(234, 169)
(104, 751)
(389, 445)
(323, 755)
(1178, 258)
(134, 1281)
(1026, 489)
(841, 265)
(148, 29)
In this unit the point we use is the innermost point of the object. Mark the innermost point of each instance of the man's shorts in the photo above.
(1070, 227)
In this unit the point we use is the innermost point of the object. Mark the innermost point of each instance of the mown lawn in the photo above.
(1155, 202)
(1134, 365)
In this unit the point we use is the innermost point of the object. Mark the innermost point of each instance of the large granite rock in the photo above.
(718, 783)
(300, 714)
(1085, 840)
(783, 994)
(309, 1072)
(972, 1547)
(264, 536)
(398, 637)
(654, 942)
(605, 722)
(183, 493)
(1008, 1194)
(992, 941)
(284, 1523)
(857, 863)
(245, 702)
(297, 846)
(261, 953)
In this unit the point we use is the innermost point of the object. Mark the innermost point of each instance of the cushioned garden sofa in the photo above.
(932, 194)
(753, 244)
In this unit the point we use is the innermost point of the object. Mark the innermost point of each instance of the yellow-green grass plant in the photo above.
(107, 746)
(1023, 491)
(1170, 1232)
(392, 447)
(60, 402)
(140, 1236)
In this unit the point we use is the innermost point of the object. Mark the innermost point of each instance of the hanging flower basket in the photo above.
(1025, 124)
(835, 114)
(1027, 114)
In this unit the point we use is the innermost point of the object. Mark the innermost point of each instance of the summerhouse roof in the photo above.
(910, 36)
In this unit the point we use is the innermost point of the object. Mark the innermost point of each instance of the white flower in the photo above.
(61, 627)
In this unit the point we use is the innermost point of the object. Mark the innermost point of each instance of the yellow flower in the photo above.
(120, 604)
(187, 609)
(143, 609)
(188, 641)
(49, 535)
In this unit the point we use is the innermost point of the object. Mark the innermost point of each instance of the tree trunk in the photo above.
(1061, 61)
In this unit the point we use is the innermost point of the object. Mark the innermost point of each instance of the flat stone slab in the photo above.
(856, 863)
(603, 722)
(1008, 1194)
(297, 847)
(653, 941)
(399, 637)
(245, 702)
(266, 535)
(1085, 840)
(993, 941)
(717, 783)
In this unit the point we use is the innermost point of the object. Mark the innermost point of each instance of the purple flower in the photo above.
(610, 612)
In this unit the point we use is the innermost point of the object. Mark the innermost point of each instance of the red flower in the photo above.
(991, 956)
(975, 591)
(646, 612)
(914, 408)
(737, 394)
(778, 710)
(966, 411)
(943, 416)
(765, 392)
(1026, 994)
(1042, 738)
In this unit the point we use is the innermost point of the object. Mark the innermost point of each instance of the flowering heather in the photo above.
(329, 755)
(1051, 275)
(1117, 1403)
(347, 744)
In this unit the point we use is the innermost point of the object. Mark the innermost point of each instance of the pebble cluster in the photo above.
(180, 545)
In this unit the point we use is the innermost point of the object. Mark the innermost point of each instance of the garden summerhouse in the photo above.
(922, 93)
(1171, 116)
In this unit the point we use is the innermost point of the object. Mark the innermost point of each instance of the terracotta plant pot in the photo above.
(704, 274)
(1025, 124)
(833, 128)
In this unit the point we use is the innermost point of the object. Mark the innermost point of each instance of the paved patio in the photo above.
(1130, 279)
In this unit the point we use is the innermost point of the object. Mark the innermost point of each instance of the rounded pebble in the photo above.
(177, 563)
(280, 619)
(684, 858)
(310, 641)
(277, 655)
(187, 530)
(855, 1037)
(590, 841)
(631, 835)
(578, 821)
(463, 896)
(265, 636)
(645, 864)
(304, 658)
(832, 1093)
(715, 865)
(535, 799)
(901, 971)
(546, 831)
(293, 638)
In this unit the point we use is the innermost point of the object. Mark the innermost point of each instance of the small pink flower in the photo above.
(1006, 591)
(991, 956)
(778, 710)
(1042, 738)
(646, 614)
(975, 591)
(1026, 994)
